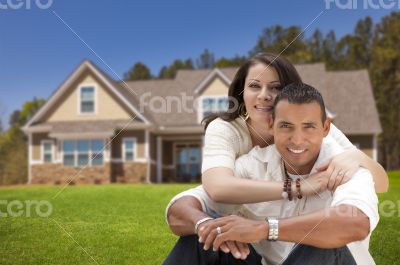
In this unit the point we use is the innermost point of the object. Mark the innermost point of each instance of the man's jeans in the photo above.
(188, 251)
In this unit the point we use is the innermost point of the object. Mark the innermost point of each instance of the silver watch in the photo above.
(273, 228)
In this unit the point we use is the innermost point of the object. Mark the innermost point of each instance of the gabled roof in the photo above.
(347, 94)
(206, 81)
(108, 82)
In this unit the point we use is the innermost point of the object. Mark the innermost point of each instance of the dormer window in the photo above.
(87, 100)
(213, 105)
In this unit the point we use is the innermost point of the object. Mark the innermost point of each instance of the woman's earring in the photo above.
(243, 112)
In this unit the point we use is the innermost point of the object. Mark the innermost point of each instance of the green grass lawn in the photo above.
(123, 224)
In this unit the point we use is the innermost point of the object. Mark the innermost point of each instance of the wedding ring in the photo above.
(219, 230)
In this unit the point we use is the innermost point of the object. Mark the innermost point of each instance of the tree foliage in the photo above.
(139, 71)
(170, 71)
(13, 145)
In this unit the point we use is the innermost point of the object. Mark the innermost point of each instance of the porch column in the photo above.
(159, 159)
(375, 147)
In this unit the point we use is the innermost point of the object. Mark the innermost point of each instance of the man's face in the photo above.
(298, 134)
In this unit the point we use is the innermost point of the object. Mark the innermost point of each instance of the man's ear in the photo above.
(327, 126)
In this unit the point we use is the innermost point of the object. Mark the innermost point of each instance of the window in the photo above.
(97, 152)
(129, 149)
(212, 105)
(47, 148)
(87, 99)
(83, 153)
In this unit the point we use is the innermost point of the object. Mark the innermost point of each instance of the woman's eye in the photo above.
(252, 85)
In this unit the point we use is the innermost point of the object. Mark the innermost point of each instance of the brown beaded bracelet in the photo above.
(298, 188)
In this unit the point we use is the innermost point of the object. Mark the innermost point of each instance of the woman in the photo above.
(236, 132)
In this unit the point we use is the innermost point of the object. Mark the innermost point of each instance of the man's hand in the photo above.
(237, 249)
(233, 228)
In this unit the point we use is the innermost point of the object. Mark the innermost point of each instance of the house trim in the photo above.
(214, 73)
(30, 158)
(159, 159)
(375, 147)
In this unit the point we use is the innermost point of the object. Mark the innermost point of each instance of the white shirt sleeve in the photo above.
(198, 192)
(340, 138)
(221, 143)
(359, 192)
(208, 206)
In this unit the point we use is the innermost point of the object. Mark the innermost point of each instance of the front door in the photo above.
(188, 162)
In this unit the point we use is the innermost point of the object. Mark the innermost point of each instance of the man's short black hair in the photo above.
(300, 94)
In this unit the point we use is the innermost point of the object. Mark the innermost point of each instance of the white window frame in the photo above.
(94, 98)
(200, 116)
(42, 143)
(134, 139)
(76, 153)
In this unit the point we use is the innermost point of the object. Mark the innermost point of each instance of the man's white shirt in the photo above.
(265, 164)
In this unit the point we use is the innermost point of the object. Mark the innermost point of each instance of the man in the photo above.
(299, 127)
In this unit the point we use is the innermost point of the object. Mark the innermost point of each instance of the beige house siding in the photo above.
(107, 106)
(37, 139)
(216, 88)
(116, 149)
(364, 142)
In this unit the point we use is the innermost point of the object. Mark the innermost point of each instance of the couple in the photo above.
(299, 127)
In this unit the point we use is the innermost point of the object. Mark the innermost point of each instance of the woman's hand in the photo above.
(233, 228)
(341, 167)
(237, 249)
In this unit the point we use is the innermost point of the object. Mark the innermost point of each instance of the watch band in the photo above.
(273, 229)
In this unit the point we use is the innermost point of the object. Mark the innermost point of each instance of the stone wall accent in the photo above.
(129, 172)
(59, 174)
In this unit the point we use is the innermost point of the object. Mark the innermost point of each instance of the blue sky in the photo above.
(38, 51)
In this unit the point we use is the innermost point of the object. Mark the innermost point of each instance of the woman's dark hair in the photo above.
(286, 72)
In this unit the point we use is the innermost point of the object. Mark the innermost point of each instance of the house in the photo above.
(94, 129)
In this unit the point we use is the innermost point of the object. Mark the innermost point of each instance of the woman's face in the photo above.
(261, 87)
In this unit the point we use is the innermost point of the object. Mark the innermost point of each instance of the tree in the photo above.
(170, 71)
(315, 44)
(385, 75)
(206, 60)
(13, 144)
(234, 62)
(139, 71)
(329, 53)
(287, 41)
